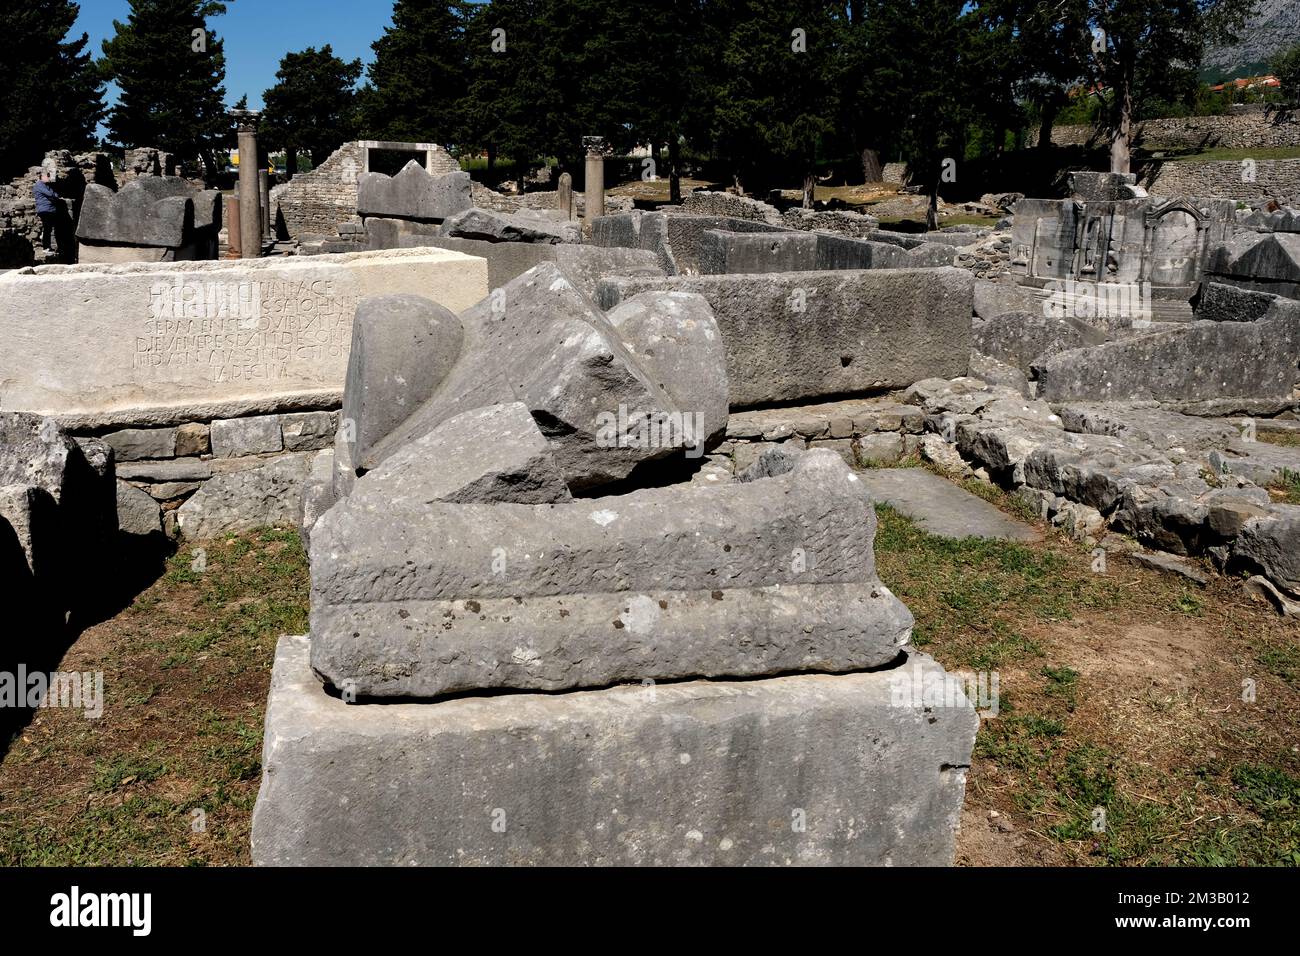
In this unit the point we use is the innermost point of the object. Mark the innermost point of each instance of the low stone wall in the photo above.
(1248, 128)
(704, 202)
(1276, 178)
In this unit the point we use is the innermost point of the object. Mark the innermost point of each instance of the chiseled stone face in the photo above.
(865, 769)
(170, 342)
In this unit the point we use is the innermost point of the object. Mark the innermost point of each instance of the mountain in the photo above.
(1274, 26)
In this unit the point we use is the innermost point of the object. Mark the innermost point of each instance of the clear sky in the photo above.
(258, 32)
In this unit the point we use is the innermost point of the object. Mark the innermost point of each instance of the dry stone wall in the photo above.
(1251, 127)
(1278, 179)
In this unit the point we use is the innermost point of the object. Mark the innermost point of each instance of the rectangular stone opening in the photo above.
(390, 161)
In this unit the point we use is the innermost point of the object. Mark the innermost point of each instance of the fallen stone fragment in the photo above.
(414, 194)
(1170, 564)
(137, 512)
(941, 508)
(417, 783)
(1271, 545)
(509, 227)
(1262, 587)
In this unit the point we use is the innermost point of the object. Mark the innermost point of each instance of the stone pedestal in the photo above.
(811, 769)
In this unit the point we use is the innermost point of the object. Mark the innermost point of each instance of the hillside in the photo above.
(1274, 26)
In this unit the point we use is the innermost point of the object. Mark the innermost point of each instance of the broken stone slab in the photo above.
(1267, 263)
(1179, 436)
(148, 211)
(403, 347)
(236, 437)
(420, 784)
(995, 372)
(415, 599)
(1262, 587)
(509, 227)
(317, 493)
(135, 444)
(994, 297)
(159, 344)
(491, 454)
(1170, 564)
(1256, 461)
(257, 497)
(674, 339)
(26, 512)
(1201, 360)
(941, 508)
(137, 512)
(1023, 339)
(414, 194)
(172, 469)
(541, 342)
(804, 335)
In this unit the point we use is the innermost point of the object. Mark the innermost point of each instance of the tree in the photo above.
(1133, 50)
(1286, 67)
(776, 97)
(53, 93)
(419, 78)
(312, 106)
(919, 53)
(170, 68)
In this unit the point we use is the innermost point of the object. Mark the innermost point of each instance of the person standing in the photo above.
(47, 207)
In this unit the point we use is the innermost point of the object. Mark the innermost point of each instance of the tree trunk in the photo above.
(932, 209)
(872, 171)
(291, 161)
(492, 158)
(1122, 130)
(1046, 120)
(809, 185)
(675, 170)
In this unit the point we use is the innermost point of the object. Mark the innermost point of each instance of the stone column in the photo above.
(595, 192)
(264, 196)
(230, 211)
(250, 219)
(564, 196)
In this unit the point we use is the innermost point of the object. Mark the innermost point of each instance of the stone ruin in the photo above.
(588, 532)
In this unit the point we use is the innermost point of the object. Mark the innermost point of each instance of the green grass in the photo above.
(1219, 154)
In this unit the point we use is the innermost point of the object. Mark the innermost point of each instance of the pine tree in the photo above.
(418, 79)
(312, 106)
(170, 68)
(53, 94)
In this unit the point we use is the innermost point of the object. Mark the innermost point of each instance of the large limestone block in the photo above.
(403, 346)
(803, 335)
(540, 341)
(414, 194)
(1022, 339)
(491, 454)
(158, 344)
(1272, 545)
(1203, 360)
(675, 340)
(416, 599)
(809, 769)
(268, 494)
(148, 211)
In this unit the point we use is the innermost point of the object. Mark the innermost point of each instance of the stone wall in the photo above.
(315, 203)
(702, 202)
(1247, 128)
(20, 228)
(1279, 179)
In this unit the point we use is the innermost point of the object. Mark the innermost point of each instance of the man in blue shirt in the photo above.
(47, 207)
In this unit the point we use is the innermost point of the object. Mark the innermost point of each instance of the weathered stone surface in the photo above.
(317, 493)
(269, 494)
(1256, 461)
(1271, 544)
(675, 342)
(674, 238)
(1220, 302)
(1170, 564)
(410, 784)
(23, 508)
(307, 431)
(753, 579)
(509, 227)
(941, 508)
(403, 347)
(541, 342)
(1199, 361)
(724, 253)
(801, 335)
(159, 344)
(175, 469)
(414, 194)
(1023, 339)
(491, 454)
(1267, 262)
(137, 512)
(235, 437)
(994, 372)
(134, 444)
(148, 211)
(1182, 436)
(994, 298)
(35, 451)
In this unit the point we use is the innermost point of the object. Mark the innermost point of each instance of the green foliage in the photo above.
(1286, 67)
(312, 106)
(53, 95)
(170, 69)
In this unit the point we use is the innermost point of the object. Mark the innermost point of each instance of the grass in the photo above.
(1121, 737)
(1285, 439)
(1287, 488)
(169, 774)
(1218, 154)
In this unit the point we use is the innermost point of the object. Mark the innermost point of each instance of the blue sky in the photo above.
(259, 32)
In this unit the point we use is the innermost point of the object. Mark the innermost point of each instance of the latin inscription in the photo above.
(226, 331)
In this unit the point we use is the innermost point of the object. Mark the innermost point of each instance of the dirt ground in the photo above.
(1141, 719)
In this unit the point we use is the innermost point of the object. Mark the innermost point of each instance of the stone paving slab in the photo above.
(941, 508)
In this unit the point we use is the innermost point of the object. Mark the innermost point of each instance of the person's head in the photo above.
(45, 175)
